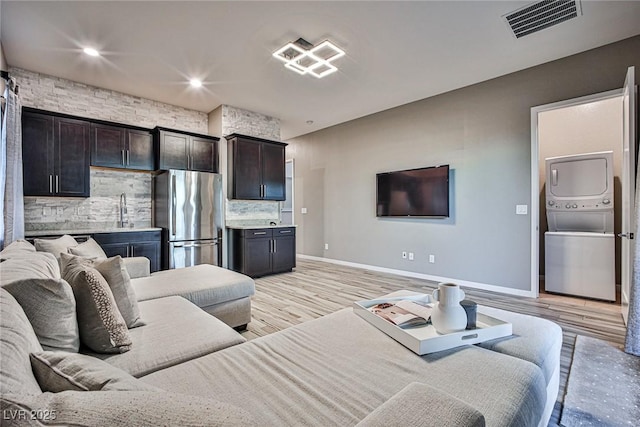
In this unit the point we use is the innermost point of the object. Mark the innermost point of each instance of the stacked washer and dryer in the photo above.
(580, 243)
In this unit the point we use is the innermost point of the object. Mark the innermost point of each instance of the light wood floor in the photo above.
(317, 288)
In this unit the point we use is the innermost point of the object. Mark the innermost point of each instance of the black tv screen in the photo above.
(416, 192)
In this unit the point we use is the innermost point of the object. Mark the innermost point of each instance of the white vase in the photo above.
(448, 315)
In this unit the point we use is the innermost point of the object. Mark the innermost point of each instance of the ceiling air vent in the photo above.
(541, 15)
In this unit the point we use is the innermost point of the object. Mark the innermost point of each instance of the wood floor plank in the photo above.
(316, 288)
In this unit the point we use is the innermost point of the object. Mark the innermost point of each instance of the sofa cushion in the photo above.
(60, 371)
(101, 325)
(125, 409)
(203, 285)
(535, 340)
(137, 266)
(337, 369)
(51, 309)
(176, 331)
(17, 340)
(89, 248)
(426, 406)
(55, 246)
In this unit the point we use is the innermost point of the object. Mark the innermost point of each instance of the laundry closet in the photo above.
(580, 165)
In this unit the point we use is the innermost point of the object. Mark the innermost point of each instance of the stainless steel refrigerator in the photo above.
(188, 206)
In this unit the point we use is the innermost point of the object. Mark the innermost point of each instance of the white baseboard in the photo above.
(475, 285)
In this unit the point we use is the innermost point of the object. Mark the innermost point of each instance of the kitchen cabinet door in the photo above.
(173, 150)
(72, 157)
(108, 146)
(283, 257)
(202, 155)
(273, 172)
(247, 170)
(139, 150)
(37, 154)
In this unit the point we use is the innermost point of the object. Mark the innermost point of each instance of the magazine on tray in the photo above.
(404, 314)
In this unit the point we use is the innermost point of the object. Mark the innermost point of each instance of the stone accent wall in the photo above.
(101, 209)
(98, 212)
(69, 97)
(237, 120)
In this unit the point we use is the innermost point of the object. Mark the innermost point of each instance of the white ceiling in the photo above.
(397, 52)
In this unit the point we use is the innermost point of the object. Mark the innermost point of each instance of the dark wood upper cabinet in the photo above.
(186, 151)
(256, 168)
(121, 147)
(56, 155)
(140, 149)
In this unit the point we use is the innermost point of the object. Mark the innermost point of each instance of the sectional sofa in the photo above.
(189, 368)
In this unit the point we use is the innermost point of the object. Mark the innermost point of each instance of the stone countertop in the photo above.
(37, 233)
(253, 227)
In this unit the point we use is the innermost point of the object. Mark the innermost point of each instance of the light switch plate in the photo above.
(303, 210)
(521, 209)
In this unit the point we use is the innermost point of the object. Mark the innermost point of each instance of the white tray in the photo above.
(425, 339)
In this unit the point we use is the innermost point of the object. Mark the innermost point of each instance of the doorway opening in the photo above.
(582, 125)
(287, 206)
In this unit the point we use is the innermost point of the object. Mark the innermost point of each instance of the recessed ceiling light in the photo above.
(195, 83)
(91, 51)
(304, 58)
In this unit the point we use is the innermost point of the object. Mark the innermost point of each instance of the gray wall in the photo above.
(483, 133)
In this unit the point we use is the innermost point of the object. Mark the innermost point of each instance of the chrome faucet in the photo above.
(123, 210)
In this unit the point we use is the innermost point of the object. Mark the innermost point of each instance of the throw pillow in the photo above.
(90, 248)
(51, 309)
(101, 325)
(115, 273)
(126, 408)
(17, 247)
(59, 371)
(55, 246)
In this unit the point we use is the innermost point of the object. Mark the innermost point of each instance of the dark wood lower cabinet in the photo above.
(263, 251)
(132, 243)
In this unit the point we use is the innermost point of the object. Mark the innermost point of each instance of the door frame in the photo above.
(535, 165)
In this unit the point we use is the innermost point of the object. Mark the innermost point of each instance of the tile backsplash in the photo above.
(101, 210)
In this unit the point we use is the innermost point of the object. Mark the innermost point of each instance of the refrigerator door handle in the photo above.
(174, 203)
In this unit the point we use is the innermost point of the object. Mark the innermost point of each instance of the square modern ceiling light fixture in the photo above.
(304, 58)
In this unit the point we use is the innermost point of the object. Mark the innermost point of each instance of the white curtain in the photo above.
(632, 340)
(11, 201)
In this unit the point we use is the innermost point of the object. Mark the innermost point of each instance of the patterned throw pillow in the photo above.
(115, 273)
(101, 325)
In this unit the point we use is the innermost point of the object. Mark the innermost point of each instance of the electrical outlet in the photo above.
(410, 256)
(404, 255)
(60, 211)
(432, 259)
(326, 246)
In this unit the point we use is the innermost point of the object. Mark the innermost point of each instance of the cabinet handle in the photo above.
(57, 184)
(51, 184)
(123, 161)
(285, 231)
(259, 233)
(188, 161)
(270, 246)
(275, 248)
(128, 158)
(127, 255)
(133, 251)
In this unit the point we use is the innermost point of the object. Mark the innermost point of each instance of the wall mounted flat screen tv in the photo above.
(420, 192)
